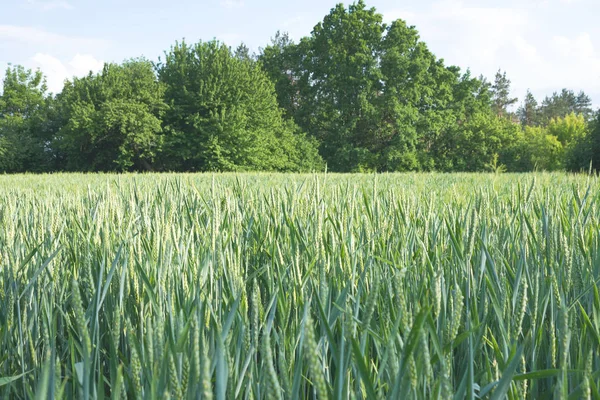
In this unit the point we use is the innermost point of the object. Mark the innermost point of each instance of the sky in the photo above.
(543, 45)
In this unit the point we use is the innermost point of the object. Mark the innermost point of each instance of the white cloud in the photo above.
(578, 59)
(232, 3)
(57, 72)
(58, 56)
(527, 51)
(49, 5)
(580, 48)
(476, 32)
(485, 39)
(32, 35)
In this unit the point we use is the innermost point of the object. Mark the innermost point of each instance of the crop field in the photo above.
(266, 286)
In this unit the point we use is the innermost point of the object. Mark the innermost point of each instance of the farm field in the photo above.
(273, 286)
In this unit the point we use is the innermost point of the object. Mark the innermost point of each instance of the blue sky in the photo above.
(543, 45)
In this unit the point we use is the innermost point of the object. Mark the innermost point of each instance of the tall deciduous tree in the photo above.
(25, 127)
(538, 150)
(584, 148)
(223, 115)
(112, 119)
(339, 82)
(476, 144)
(570, 129)
(373, 95)
(280, 60)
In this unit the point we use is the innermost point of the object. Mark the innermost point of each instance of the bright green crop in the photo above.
(265, 286)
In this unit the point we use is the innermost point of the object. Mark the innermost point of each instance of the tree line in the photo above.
(356, 95)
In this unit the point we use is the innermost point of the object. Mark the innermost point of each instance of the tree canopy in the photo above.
(373, 94)
(223, 115)
(357, 94)
(112, 120)
(24, 121)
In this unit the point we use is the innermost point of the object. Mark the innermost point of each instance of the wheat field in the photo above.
(266, 286)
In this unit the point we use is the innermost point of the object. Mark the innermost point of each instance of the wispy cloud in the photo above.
(487, 38)
(33, 35)
(473, 36)
(49, 5)
(232, 3)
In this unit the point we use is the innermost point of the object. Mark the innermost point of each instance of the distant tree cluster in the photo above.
(355, 95)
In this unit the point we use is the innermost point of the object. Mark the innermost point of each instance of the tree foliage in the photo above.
(584, 152)
(564, 103)
(357, 94)
(112, 120)
(536, 150)
(570, 129)
(223, 115)
(24, 121)
(373, 94)
(501, 99)
(477, 144)
(529, 113)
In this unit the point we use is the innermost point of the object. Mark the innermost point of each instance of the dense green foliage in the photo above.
(374, 96)
(112, 120)
(587, 149)
(25, 116)
(378, 100)
(224, 116)
(290, 286)
(357, 94)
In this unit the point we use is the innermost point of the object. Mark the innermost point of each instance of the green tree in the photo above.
(501, 94)
(572, 132)
(243, 53)
(584, 147)
(470, 97)
(25, 128)
(421, 95)
(594, 143)
(529, 111)
(373, 95)
(223, 115)
(280, 61)
(564, 103)
(535, 149)
(339, 82)
(477, 144)
(112, 120)
(571, 128)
